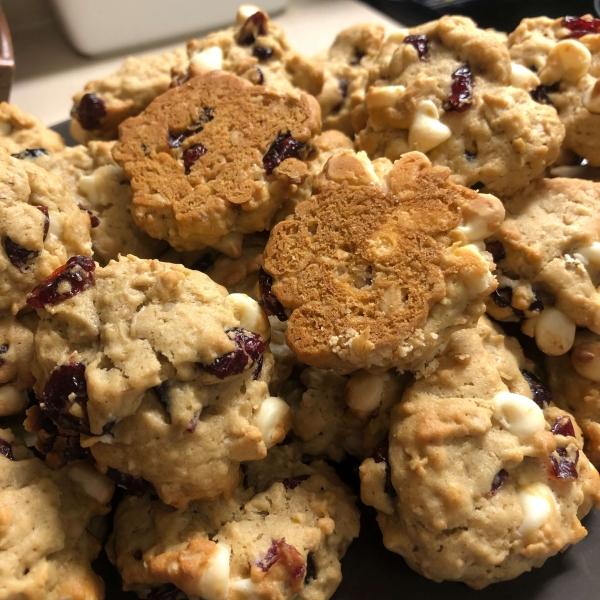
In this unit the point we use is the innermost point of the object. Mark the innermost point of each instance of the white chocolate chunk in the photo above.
(537, 503)
(569, 60)
(94, 484)
(589, 255)
(586, 360)
(244, 12)
(87, 187)
(273, 420)
(519, 415)
(482, 217)
(54, 226)
(245, 589)
(210, 59)
(591, 98)
(426, 131)
(214, 581)
(476, 277)
(364, 392)
(523, 78)
(230, 244)
(385, 96)
(554, 332)
(250, 314)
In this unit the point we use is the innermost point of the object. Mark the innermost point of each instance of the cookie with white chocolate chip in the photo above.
(381, 265)
(561, 60)
(483, 480)
(279, 536)
(547, 253)
(445, 89)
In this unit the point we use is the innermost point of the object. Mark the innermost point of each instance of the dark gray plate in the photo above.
(372, 573)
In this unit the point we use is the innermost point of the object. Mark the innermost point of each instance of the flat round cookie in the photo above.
(381, 265)
(279, 536)
(485, 479)
(215, 156)
(446, 88)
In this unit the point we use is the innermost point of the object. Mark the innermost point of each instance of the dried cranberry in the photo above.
(502, 297)
(6, 449)
(358, 56)
(498, 481)
(19, 257)
(563, 426)
(291, 483)
(380, 454)
(46, 214)
(470, 156)
(343, 88)
(541, 394)
(268, 300)
(537, 304)
(66, 386)
(263, 53)
(30, 153)
(193, 422)
(162, 391)
(564, 467)
(311, 569)
(90, 112)
(3, 350)
(260, 77)
(166, 592)
(132, 485)
(461, 96)
(138, 554)
(580, 27)
(419, 42)
(257, 369)
(254, 26)
(94, 220)
(282, 552)
(496, 249)
(249, 347)
(191, 155)
(284, 147)
(540, 94)
(77, 273)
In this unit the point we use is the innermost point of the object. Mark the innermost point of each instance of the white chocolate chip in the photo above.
(586, 360)
(482, 217)
(523, 78)
(537, 504)
(244, 12)
(245, 589)
(54, 227)
(554, 332)
(569, 60)
(591, 98)
(518, 414)
(87, 187)
(274, 420)
(426, 131)
(250, 314)
(214, 581)
(94, 484)
(230, 244)
(5, 128)
(210, 59)
(364, 392)
(588, 254)
(477, 278)
(384, 97)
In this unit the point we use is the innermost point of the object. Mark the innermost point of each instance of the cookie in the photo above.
(48, 540)
(346, 66)
(40, 228)
(104, 103)
(548, 256)
(574, 380)
(562, 61)
(99, 187)
(281, 536)
(215, 156)
(20, 131)
(381, 265)
(487, 479)
(446, 89)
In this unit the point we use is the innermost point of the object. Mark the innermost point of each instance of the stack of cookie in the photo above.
(258, 265)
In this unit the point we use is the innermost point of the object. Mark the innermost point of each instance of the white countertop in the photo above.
(49, 72)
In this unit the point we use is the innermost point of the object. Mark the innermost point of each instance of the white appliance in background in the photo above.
(100, 26)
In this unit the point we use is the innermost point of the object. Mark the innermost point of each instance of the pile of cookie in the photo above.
(257, 265)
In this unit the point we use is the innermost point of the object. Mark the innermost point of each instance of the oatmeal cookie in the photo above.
(47, 536)
(446, 89)
(40, 227)
(215, 156)
(548, 256)
(485, 479)
(105, 103)
(562, 63)
(346, 65)
(279, 537)
(20, 131)
(381, 265)
(100, 188)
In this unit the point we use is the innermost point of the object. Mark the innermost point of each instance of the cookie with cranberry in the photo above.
(446, 89)
(560, 58)
(41, 226)
(215, 156)
(51, 522)
(20, 131)
(547, 253)
(381, 265)
(346, 65)
(281, 535)
(99, 187)
(104, 103)
(483, 480)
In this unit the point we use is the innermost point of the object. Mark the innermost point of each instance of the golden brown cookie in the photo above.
(215, 156)
(20, 131)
